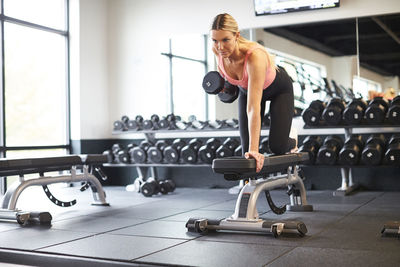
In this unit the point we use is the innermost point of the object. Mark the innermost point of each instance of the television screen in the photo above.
(269, 7)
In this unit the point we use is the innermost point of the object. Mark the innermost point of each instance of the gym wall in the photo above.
(113, 43)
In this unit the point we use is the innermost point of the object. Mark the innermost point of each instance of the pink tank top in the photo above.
(244, 82)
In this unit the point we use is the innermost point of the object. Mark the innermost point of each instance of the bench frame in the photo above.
(246, 216)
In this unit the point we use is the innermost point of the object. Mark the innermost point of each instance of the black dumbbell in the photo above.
(171, 153)
(264, 146)
(150, 187)
(233, 123)
(227, 149)
(392, 154)
(163, 124)
(206, 153)
(138, 154)
(115, 149)
(213, 83)
(216, 124)
(152, 123)
(311, 144)
(394, 110)
(354, 112)
(118, 126)
(110, 155)
(351, 152)
(155, 153)
(332, 113)
(166, 186)
(312, 114)
(375, 112)
(328, 153)
(196, 124)
(373, 150)
(189, 152)
(124, 154)
(238, 151)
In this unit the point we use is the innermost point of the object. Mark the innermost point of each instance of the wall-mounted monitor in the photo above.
(270, 7)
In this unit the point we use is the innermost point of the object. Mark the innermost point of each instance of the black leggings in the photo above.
(280, 93)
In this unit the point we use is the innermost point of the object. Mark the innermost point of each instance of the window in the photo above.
(361, 86)
(35, 112)
(308, 78)
(188, 64)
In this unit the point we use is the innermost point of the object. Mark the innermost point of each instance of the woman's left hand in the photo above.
(258, 157)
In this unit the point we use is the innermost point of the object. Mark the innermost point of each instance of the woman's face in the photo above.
(224, 42)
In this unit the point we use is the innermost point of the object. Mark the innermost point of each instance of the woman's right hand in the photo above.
(258, 157)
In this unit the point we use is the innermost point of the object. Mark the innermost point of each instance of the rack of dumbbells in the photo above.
(378, 120)
(171, 142)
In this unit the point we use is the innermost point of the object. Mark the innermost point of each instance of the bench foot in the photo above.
(277, 228)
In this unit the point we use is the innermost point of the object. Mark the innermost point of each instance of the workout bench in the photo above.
(80, 169)
(278, 171)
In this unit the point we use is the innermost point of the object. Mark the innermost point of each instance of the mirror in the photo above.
(331, 46)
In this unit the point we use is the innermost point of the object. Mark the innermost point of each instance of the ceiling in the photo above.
(379, 40)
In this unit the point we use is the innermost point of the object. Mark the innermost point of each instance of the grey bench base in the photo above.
(246, 217)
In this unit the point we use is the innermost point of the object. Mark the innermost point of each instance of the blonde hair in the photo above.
(226, 22)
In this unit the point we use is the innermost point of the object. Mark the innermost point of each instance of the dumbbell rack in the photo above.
(152, 135)
(348, 186)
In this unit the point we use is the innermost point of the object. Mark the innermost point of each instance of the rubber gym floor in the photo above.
(139, 231)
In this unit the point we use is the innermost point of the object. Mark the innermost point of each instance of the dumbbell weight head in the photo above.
(328, 152)
(216, 124)
(227, 149)
(229, 93)
(233, 123)
(332, 114)
(163, 124)
(373, 150)
(392, 154)
(238, 151)
(375, 113)
(213, 83)
(166, 186)
(139, 154)
(189, 152)
(354, 112)
(155, 153)
(150, 187)
(110, 155)
(118, 126)
(206, 154)
(123, 156)
(394, 110)
(132, 125)
(264, 146)
(351, 152)
(115, 148)
(312, 114)
(171, 153)
(311, 144)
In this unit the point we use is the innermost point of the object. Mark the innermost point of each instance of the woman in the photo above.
(249, 66)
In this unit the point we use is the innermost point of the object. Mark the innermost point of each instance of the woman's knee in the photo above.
(278, 148)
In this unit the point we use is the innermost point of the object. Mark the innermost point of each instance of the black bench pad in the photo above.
(23, 166)
(94, 159)
(237, 168)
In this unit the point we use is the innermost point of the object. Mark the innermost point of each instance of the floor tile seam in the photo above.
(65, 242)
(280, 256)
(160, 250)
